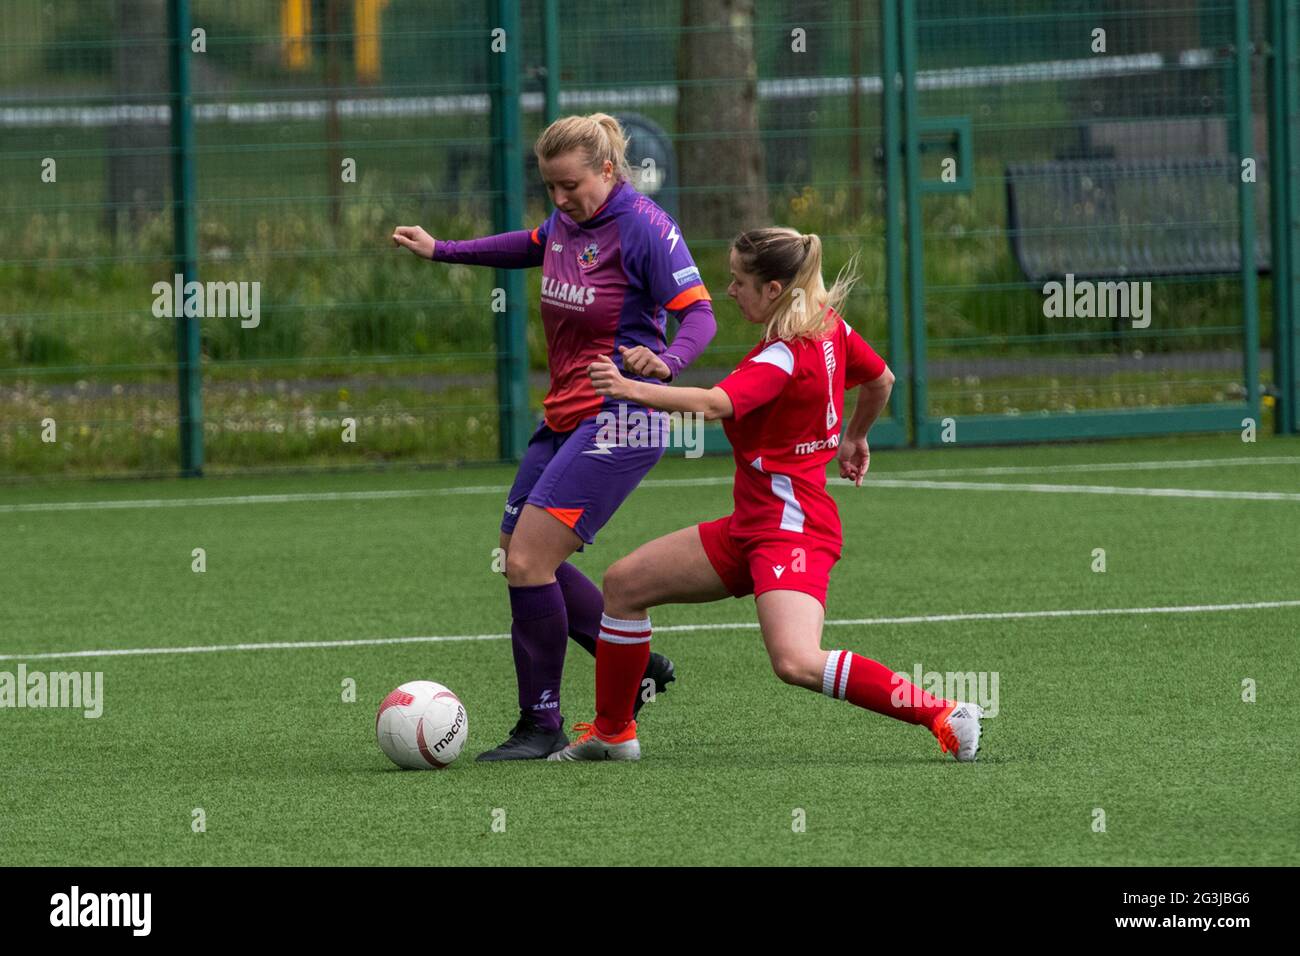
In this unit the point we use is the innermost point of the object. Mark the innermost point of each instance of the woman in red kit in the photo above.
(782, 411)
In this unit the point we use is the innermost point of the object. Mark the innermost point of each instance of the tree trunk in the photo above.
(138, 168)
(717, 119)
(794, 118)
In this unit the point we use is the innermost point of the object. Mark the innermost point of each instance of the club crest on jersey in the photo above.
(589, 256)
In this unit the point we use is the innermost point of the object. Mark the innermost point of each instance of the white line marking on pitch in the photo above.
(1089, 490)
(1176, 465)
(727, 626)
(885, 480)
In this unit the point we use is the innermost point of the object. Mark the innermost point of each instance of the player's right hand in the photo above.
(607, 379)
(415, 239)
(854, 459)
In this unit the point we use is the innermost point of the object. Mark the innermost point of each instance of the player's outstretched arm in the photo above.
(712, 403)
(415, 239)
(855, 455)
(508, 250)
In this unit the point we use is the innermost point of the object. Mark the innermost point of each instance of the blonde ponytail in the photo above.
(784, 255)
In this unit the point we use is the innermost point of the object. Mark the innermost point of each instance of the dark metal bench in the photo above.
(1113, 218)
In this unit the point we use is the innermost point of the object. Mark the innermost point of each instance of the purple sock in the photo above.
(584, 604)
(538, 636)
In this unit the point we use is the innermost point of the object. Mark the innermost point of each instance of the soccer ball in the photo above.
(421, 726)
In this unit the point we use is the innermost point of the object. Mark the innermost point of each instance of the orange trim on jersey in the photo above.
(569, 516)
(533, 234)
(682, 299)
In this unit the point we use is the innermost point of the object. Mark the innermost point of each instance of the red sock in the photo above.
(872, 685)
(622, 653)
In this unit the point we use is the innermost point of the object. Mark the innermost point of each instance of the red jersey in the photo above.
(789, 407)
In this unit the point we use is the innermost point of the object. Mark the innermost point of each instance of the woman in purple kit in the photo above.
(613, 265)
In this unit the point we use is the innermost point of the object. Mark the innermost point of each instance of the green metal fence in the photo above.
(1284, 143)
(1088, 265)
(969, 153)
(298, 169)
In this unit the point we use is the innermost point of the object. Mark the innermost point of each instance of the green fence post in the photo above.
(185, 239)
(1281, 106)
(551, 58)
(915, 227)
(508, 215)
(1291, 129)
(894, 289)
(1245, 147)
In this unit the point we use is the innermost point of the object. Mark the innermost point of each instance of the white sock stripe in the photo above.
(618, 631)
(621, 639)
(844, 677)
(828, 673)
(623, 625)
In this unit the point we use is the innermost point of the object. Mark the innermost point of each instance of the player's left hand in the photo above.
(641, 361)
(607, 379)
(855, 459)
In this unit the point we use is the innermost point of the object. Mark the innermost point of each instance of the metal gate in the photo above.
(1081, 185)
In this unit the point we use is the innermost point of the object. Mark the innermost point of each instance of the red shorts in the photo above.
(774, 562)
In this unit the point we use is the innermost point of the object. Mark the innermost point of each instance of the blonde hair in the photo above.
(600, 135)
(784, 255)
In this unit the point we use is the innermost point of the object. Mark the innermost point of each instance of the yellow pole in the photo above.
(295, 34)
(367, 16)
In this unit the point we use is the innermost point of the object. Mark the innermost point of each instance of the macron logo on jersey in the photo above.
(808, 447)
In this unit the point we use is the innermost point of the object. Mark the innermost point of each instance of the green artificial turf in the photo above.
(1138, 715)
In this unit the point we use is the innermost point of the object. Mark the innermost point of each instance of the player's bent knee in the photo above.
(787, 669)
(524, 568)
(792, 670)
(619, 583)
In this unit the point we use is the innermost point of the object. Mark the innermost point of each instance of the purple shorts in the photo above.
(577, 481)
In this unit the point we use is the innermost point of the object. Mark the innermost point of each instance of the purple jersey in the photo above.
(606, 282)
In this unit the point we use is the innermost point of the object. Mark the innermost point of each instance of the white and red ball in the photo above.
(422, 726)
